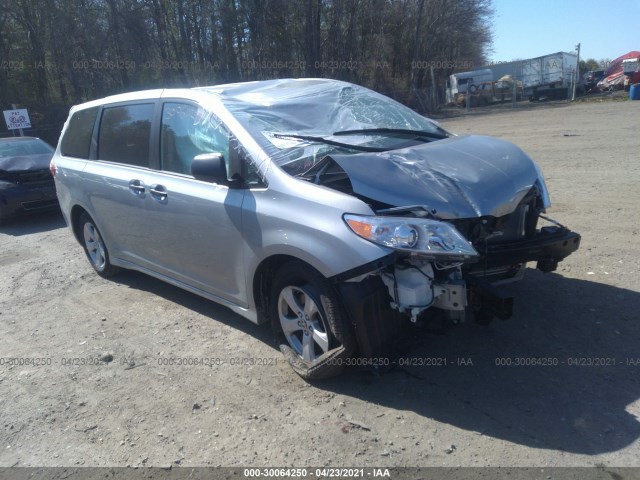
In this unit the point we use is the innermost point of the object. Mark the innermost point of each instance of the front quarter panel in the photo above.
(307, 224)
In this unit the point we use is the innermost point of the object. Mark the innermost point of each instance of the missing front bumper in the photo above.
(548, 246)
(479, 292)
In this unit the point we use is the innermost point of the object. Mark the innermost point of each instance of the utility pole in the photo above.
(577, 74)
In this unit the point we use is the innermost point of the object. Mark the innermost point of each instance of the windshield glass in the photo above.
(326, 110)
(21, 148)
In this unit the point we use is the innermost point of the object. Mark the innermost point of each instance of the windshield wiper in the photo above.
(392, 131)
(326, 141)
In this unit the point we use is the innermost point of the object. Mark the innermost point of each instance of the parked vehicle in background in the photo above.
(506, 88)
(549, 76)
(329, 210)
(26, 184)
(481, 90)
(473, 82)
(480, 95)
(615, 76)
(591, 79)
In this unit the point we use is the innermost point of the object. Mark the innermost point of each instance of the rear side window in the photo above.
(124, 134)
(77, 138)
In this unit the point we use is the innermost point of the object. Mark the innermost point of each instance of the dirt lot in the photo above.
(81, 408)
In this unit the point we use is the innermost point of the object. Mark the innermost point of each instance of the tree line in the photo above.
(56, 53)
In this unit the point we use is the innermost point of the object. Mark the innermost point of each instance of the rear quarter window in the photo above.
(76, 141)
(125, 134)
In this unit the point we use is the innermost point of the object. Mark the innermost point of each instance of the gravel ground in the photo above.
(106, 394)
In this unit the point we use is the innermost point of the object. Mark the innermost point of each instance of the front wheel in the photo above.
(95, 248)
(307, 316)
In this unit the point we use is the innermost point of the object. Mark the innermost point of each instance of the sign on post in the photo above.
(17, 119)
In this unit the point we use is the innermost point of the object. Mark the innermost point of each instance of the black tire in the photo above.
(309, 322)
(94, 247)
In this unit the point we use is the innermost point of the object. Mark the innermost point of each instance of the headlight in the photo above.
(430, 237)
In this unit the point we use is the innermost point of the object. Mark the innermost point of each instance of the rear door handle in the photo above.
(137, 188)
(159, 192)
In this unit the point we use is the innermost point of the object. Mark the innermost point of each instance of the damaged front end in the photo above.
(446, 272)
(445, 268)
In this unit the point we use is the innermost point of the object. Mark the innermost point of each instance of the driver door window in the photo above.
(187, 131)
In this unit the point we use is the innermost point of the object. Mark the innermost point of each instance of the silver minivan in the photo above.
(335, 213)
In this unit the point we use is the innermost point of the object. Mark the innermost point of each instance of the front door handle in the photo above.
(137, 188)
(159, 192)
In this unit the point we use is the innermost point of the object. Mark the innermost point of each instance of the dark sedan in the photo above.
(26, 184)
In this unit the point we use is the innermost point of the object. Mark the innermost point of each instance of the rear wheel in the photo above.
(309, 321)
(95, 248)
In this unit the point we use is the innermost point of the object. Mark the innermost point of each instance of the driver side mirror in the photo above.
(210, 167)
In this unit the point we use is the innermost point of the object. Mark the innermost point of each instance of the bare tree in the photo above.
(74, 50)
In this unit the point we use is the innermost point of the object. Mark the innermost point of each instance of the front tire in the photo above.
(95, 248)
(309, 321)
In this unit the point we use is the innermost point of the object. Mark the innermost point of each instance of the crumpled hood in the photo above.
(26, 163)
(459, 177)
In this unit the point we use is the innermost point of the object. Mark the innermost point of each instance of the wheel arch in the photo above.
(259, 283)
(76, 211)
(262, 278)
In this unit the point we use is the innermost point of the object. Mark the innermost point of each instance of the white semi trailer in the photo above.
(550, 75)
